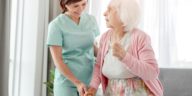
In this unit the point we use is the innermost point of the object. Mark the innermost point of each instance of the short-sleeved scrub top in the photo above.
(76, 41)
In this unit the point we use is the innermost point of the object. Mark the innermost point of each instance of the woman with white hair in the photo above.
(126, 64)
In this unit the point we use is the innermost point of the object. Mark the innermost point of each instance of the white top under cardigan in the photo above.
(113, 67)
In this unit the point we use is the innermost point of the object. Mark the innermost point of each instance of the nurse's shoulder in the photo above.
(89, 17)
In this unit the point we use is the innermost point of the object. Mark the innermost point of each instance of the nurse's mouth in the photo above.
(77, 13)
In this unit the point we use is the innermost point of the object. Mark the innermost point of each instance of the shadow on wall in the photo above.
(54, 9)
(4, 47)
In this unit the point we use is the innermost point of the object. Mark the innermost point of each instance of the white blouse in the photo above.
(113, 68)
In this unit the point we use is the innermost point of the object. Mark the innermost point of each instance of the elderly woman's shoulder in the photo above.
(106, 34)
(140, 34)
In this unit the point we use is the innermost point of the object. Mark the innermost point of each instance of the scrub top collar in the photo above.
(73, 22)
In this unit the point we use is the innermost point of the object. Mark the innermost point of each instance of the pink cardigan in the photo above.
(139, 59)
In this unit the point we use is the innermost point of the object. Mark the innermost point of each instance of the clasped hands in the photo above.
(84, 91)
(90, 92)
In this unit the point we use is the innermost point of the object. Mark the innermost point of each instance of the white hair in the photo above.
(129, 12)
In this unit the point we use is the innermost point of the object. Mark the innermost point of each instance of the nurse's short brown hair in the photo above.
(66, 2)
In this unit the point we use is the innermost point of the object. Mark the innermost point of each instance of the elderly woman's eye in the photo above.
(84, 4)
(109, 10)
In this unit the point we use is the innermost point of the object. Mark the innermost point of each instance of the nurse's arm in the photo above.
(56, 52)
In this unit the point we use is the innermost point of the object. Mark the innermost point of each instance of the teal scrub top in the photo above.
(76, 41)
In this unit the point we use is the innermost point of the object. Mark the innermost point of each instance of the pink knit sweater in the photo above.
(140, 60)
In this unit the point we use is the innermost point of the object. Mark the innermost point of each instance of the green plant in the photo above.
(50, 81)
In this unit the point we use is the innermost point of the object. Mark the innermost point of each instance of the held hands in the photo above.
(90, 92)
(118, 50)
(83, 91)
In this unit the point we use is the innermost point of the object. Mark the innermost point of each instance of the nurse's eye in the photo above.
(75, 6)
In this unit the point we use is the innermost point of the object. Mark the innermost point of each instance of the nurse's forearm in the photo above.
(64, 69)
(56, 52)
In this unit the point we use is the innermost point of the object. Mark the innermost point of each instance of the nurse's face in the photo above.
(75, 9)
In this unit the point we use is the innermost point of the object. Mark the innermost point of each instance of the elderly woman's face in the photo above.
(111, 16)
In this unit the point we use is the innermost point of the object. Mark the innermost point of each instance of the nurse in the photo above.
(71, 42)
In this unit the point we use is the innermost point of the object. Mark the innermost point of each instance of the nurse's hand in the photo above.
(118, 50)
(82, 88)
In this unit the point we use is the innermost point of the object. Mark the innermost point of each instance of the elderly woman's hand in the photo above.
(118, 50)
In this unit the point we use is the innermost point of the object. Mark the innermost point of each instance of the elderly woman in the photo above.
(126, 64)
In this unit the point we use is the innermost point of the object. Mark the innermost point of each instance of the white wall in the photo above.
(30, 62)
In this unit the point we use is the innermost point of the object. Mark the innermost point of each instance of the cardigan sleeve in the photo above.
(144, 65)
(96, 79)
